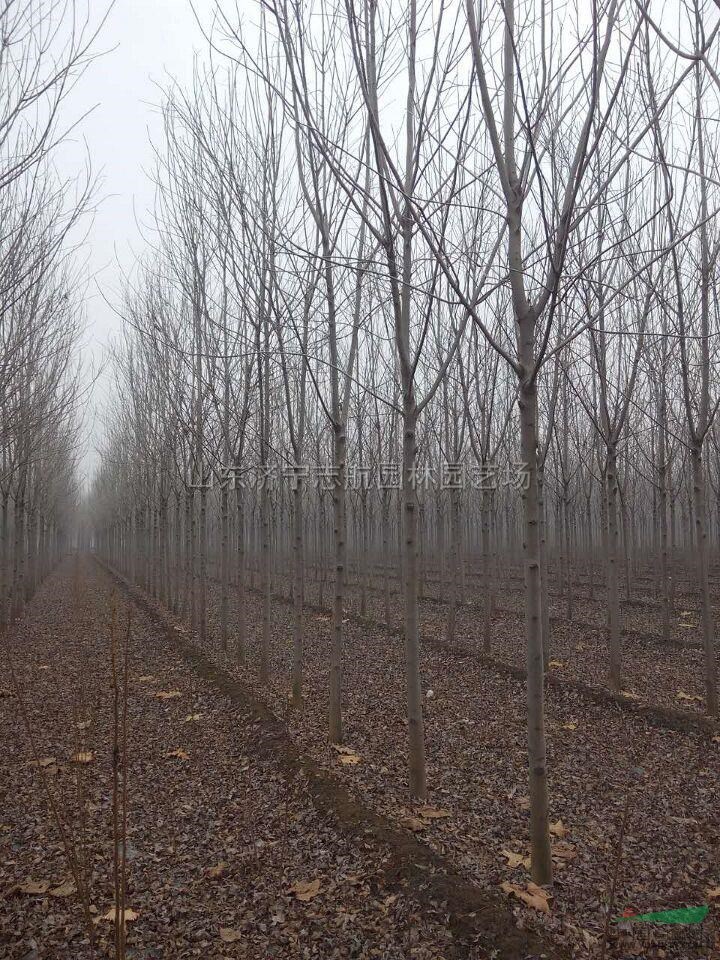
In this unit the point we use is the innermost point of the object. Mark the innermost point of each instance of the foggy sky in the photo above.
(144, 43)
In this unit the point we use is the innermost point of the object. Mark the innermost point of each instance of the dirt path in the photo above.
(227, 823)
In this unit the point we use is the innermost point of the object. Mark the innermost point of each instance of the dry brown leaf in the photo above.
(713, 893)
(42, 762)
(146, 678)
(305, 889)
(558, 829)
(66, 889)
(192, 718)
(629, 695)
(415, 824)
(533, 896)
(214, 873)
(34, 887)
(167, 694)
(556, 664)
(83, 724)
(349, 759)
(228, 935)
(589, 940)
(571, 725)
(178, 754)
(539, 891)
(128, 916)
(85, 756)
(688, 697)
(564, 851)
(433, 813)
(515, 860)
(340, 749)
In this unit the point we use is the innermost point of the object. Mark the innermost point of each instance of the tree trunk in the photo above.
(699, 511)
(241, 588)
(544, 568)
(486, 572)
(224, 565)
(539, 833)
(614, 640)
(298, 563)
(340, 550)
(416, 729)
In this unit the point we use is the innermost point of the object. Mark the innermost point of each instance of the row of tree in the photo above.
(45, 48)
(402, 236)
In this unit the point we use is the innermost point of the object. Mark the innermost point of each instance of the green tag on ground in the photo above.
(683, 915)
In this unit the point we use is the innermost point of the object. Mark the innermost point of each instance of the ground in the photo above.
(248, 835)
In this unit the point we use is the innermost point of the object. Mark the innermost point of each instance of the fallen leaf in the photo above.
(716, 739)
(564, 851)
(128, 916)
(83, 724)
(42, 762)
(415, 824)
(433, 813)
(167, 694)
(66, 889)
(34, 887)
(85, 756)
(305, 889)
(349, 759)
(228, 935)
(629, 695)
(688, 697)
(713, 893)
(192, 718)
(214, 873)
(571, 725)
(515, 860)
(533, 896)
(340, 749)
(558, 829)
(146, 679)
(179, 754)
(556, 664)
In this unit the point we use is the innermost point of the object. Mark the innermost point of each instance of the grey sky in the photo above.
(148, 40)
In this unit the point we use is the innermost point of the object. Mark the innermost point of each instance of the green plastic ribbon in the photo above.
(683, 915)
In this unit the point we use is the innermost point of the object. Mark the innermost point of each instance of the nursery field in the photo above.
(245, 833)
